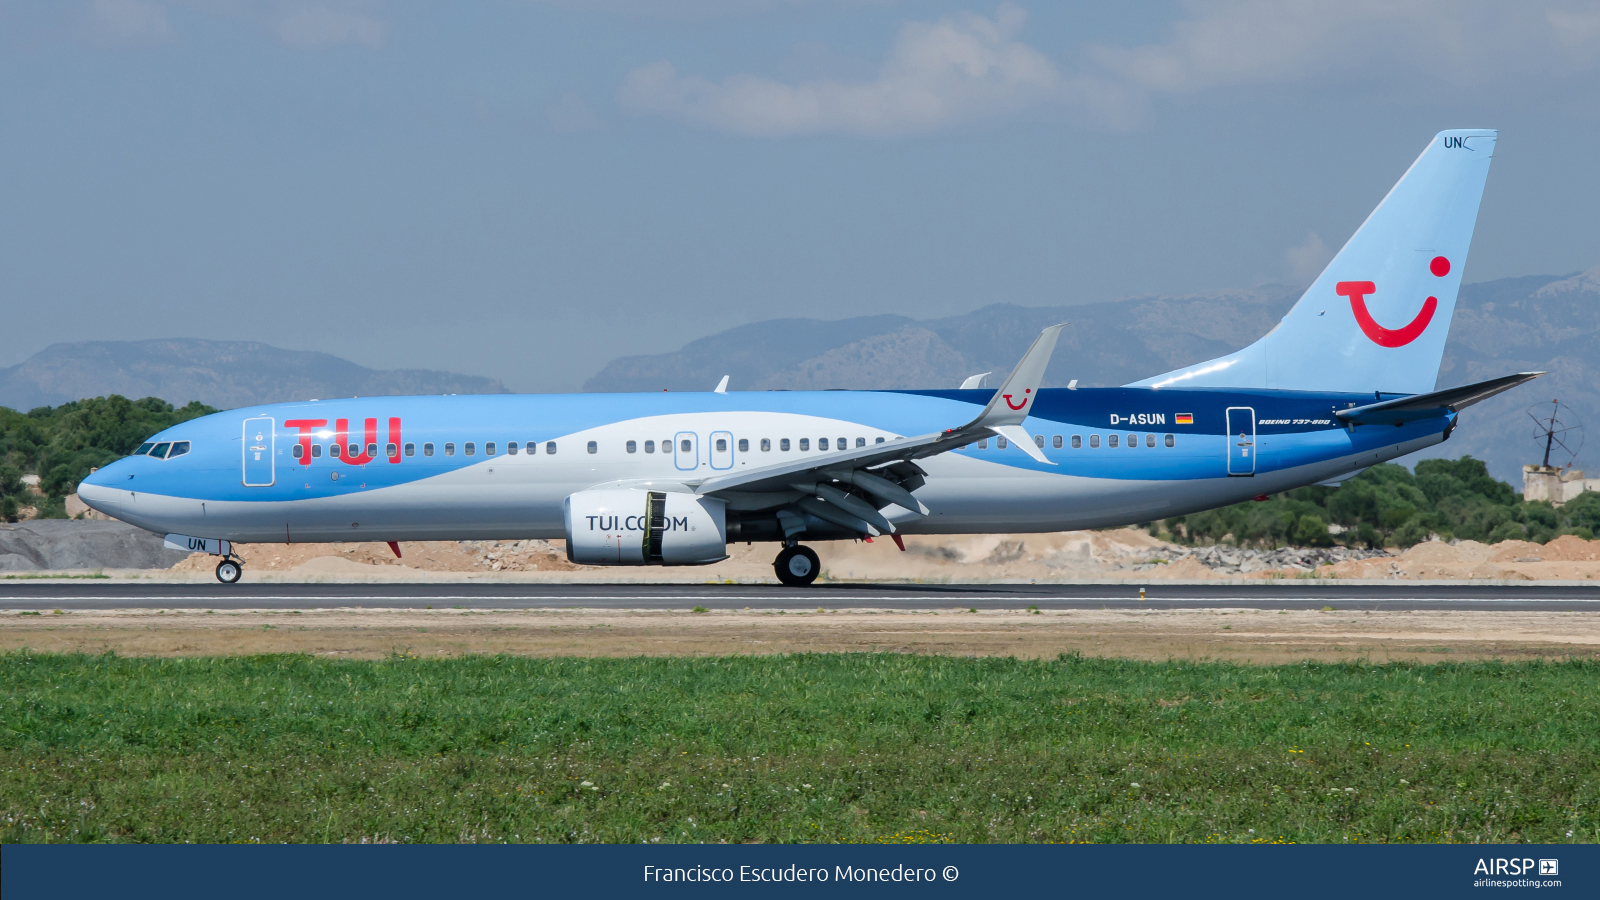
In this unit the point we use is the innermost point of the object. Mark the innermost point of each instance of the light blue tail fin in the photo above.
(1377, 317)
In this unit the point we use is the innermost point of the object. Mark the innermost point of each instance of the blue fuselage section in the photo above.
(500, 466)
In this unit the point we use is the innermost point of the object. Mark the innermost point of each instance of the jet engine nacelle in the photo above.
(627, 527)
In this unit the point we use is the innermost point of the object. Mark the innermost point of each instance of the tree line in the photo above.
(1388, 506)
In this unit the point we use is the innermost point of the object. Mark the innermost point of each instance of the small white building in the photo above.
(1556, 485)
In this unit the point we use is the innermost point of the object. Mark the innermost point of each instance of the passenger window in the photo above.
(822, 444)
(1001, 443)
(1149, 440)
(1111, 440)
(1056, 442)
(427, 449)
(372, 450)
(649, 446)
(1171, 440)
(861, 442)
(411, 449)
(469, 448)
(449, 448)
(685, 445)
(511, 448)
(594, 447)
(334, 451)
(1133, 440)
(180, 448)
(296, 451)
(632, 446)
(878, 441)
(842, 443)
(143, 449)
(160, 450)
(550, 448)
(766, 445)
(744, 445)
(316, 451)
(1094, 442)
(1077, 442)
(783, 444)
(805, 443)
(722, 445)
(391, 451)
(352, 450)
(1038, 440)
(983, 444)
(488, 448)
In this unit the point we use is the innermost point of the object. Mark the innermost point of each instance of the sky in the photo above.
(527, 189)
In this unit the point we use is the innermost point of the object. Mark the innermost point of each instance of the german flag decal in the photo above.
(1184, 418)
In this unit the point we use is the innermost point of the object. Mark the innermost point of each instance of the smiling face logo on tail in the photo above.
(1357, 291)
(1018, 405)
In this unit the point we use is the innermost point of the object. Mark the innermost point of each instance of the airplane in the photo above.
(1346, 380)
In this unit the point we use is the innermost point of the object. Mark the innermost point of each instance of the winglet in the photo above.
(974, 382)
(722, 386)
(1012, 402)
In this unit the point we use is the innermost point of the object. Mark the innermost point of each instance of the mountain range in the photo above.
(1534, 323)
(224, 374)
(1542, 322)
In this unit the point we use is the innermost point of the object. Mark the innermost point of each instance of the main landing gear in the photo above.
(797, 566)
(229, 570)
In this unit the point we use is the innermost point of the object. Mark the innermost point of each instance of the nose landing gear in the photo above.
(797, 566)
(229, 570)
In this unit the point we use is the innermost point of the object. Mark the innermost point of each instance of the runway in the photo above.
(1284, 595)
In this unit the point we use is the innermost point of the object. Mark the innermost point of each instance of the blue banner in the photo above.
(1301, 871)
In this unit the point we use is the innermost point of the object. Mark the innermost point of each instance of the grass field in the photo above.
(856, 747)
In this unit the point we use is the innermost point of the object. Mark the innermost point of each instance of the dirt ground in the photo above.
(1123, 555)
(1242, 635)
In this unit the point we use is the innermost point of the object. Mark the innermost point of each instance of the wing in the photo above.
(848, 487)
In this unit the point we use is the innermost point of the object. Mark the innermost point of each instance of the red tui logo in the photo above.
(1357, 291)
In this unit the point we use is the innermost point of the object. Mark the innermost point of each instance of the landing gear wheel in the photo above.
(797, 566)
(228, 571)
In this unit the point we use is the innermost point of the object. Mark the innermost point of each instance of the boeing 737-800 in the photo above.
(1347, 379)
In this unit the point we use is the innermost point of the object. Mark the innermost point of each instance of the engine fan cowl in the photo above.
(627, 527)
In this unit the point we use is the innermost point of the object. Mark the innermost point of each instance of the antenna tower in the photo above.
(1556, 426)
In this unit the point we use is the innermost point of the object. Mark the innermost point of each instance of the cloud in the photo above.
(317, 27)
(1239, 42)
(125, 23)
(1308, 260)
(698, 10)
(966, 67)
(571, 115)
(957, 69)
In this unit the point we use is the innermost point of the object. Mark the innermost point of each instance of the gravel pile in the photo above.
(56, 544)
(1236, 560)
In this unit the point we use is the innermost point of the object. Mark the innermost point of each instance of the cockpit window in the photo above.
(143, 448)
(159, 451)
(179, 448)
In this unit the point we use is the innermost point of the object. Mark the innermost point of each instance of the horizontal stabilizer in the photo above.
(1432, 405)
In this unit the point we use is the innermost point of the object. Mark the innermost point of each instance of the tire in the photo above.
(229, 571)
(797, 566)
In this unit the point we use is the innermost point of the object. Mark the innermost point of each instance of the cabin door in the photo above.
(259, 450)
(686, 450)
(1241, 440)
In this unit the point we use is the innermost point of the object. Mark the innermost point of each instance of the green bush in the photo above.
(1389, 506)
